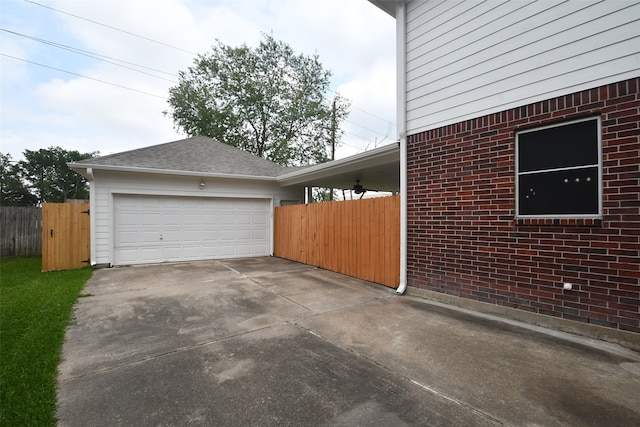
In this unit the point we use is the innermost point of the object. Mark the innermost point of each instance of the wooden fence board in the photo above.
(358, 238)
(20, 231)
(65, 236)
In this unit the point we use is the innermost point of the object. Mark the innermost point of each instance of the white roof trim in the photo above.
(379, 156)
(388, 6)
(81, 168)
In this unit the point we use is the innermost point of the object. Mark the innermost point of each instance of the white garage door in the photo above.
(159, 229)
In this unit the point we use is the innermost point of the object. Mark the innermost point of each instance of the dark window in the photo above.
(559, 170)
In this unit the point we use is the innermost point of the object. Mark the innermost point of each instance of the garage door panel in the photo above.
(259, 247)
(192, 223)
(156, 229)
(259, 234)
(192, 236)
(149, 254)
(149, 237)
(208, 252)
(244, 219)
(183, 253)
(227, 219)
(227, 251)
(129, 218)
(244, 235)
(141, 256)
(129, 238)
(171, 236)
(172, 218)
(244, 250)
(209, 235)
(227, 235)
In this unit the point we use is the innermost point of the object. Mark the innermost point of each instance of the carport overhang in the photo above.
(377, 169)
(388, 6)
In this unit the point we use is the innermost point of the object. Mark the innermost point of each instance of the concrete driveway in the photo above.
(265, 341)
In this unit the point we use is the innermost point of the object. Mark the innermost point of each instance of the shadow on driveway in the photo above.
(265, 341)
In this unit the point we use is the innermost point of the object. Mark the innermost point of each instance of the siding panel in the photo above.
(469, 59)
(426, 21)
(519, 74)
(522, 92)
(499, 30)
(536, 48)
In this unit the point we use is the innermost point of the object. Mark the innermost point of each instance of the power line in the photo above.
(373, 115)
(173, 47)
(366, 128)
(95, 56)
(365, 139)
(369, 113)
(78, 50)
(368, 141)
(112, 28)
(80, 75)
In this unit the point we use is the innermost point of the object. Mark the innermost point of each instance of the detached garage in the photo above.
(186, 200)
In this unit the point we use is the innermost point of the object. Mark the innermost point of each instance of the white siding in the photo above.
(466, 59)
(107, 185)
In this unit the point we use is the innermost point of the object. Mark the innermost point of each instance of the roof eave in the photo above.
(382, 155)
(81, 168)
(388, 6)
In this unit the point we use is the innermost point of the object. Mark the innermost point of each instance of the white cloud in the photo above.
(41, 107)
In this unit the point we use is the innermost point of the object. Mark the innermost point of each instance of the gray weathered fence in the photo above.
(20, 231)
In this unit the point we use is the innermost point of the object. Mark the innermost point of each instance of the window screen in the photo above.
(559, 170)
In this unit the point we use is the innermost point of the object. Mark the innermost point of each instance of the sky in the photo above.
(51, 95)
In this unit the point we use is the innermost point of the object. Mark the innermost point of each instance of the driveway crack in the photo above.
(426, 388)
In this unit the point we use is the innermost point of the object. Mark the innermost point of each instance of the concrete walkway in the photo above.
(266, 342)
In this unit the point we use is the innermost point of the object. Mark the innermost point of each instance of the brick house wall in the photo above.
(463, 237)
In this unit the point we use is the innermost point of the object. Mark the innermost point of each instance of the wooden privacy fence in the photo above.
(20, 231)
(359, 238)
(65, 236)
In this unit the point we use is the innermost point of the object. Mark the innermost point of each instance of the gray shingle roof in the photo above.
(196, 154)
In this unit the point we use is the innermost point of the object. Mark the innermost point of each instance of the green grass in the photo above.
(35, 309)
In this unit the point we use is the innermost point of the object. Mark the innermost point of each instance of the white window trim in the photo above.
(517, 176)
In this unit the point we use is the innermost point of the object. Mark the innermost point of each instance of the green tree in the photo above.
(13, 191)
(320, 194)
(267, 100)
(49, 177)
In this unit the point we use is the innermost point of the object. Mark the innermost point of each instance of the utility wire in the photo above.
(75, 49)
(96, 56)
(366, 128)
(80, 75)
(368, 140)
(373, 115)
(150, 40)
(365, 139)
(369, 113)
(163, 44)
(112, 28)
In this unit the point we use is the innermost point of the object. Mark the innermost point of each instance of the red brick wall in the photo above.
(463, 238)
